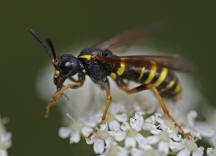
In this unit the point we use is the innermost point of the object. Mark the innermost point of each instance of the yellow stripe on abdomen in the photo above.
(141, 73)
(178, 87)
(171, 84)
(152, 73)
(162, 77)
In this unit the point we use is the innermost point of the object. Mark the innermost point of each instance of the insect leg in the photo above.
(74, 80)
(165, 110)
(109, 98)
(57, 94)
(163, 106)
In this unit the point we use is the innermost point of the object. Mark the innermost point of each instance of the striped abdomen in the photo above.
(162, 78)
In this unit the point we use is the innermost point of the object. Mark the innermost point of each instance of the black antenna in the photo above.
(41, 42)
(49, 42)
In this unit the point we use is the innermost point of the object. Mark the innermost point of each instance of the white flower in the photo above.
(115, 117)
(211, 151)
(101, 141)
(191, 147)
(130, 131)
(115, 150)
(73, 132)
(5, 139)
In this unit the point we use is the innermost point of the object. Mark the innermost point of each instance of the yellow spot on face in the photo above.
(57, 73)
(121, 69)
(84, 71)
(152, 73)
(113, 75)
(162, 77)
(86, 56)
(142, 73)
(169, 85)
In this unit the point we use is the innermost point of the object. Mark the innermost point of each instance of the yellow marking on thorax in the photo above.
(178, 87)
(142, 73)
(152, 73)
(169, 85)
(113, 76)
(84, 71)
(162, 77)
(86, 56)
(57, 73)
(121, 69)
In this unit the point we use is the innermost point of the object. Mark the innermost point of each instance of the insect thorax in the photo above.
(96, 70)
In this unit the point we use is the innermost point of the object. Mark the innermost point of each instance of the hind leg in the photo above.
(163, 106)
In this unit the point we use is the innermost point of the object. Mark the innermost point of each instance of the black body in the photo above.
(99, 71)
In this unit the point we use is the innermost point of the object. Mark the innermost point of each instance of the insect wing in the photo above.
(172, 62)
(127, 37)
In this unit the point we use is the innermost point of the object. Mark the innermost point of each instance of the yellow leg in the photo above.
(109, 98)
(60, 92)
(163, 106)
(165, 110)
(74, 80)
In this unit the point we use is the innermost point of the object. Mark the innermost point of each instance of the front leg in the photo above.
(109, 98)
(60, 92)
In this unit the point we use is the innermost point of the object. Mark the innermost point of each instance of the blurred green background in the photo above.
(189, 31)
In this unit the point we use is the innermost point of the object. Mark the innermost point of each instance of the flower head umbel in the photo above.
(138, 134)
(5, 138)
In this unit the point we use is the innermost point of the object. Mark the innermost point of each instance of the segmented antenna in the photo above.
(49, 42)
(42, 43)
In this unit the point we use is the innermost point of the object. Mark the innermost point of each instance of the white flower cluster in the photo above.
(5, 138)
(136, 133)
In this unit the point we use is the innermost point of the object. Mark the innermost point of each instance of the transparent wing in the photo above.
(127, 37)
(172, 62)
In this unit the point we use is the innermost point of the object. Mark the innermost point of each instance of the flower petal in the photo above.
(75, 137)
(143, 144)
(121, 117)
(98, 146)
(86, 131)
(198, 152)
(163, 147)
(136, 152)
(64, 132)
(137, 122)
(3, 153)
(114, 125)
(205, 130)
(184, 152)
(130, 142)
(176, 146)
(153, 139)
(191, 117)
(125, 126)
(118, 135)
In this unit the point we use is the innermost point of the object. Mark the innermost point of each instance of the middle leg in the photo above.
(109, 98)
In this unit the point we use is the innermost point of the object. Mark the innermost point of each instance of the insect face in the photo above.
(67, 66)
